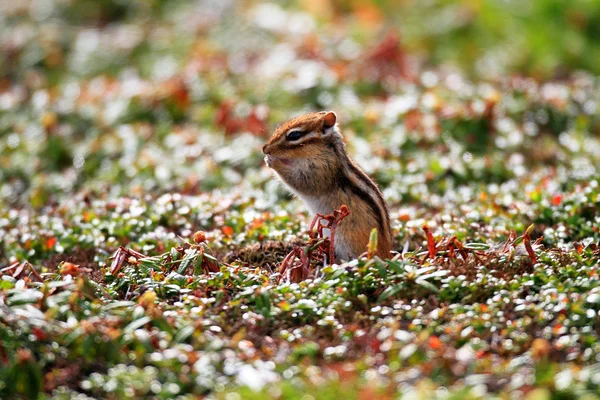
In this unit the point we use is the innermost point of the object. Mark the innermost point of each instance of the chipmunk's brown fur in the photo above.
(309, 155)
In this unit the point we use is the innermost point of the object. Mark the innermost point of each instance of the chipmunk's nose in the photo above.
(265, 149)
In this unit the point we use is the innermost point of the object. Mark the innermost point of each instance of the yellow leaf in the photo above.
(372, 247)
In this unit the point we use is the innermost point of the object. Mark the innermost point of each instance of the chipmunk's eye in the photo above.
(295, 135)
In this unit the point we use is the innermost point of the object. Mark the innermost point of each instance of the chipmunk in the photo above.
(308, 153)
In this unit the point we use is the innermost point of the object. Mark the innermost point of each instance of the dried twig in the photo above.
(320, 248)
(454, 252)
(17, 268)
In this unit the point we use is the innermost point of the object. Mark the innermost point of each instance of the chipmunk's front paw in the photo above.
(269, 161)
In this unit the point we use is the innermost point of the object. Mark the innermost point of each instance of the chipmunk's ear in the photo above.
(329, 120)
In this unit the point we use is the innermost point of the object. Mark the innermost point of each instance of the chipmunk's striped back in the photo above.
(354, 179)
(309, 155)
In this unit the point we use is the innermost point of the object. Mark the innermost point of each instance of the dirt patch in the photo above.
(264, 255)
(84, 258)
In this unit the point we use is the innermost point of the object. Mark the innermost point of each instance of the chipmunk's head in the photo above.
(304, 151)
(305, 136)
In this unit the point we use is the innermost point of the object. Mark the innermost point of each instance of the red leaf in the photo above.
(557, 199)
(430, 241)
(39, 333)
(387, 60)
(255, 124)
(50, 242)
(527, 243)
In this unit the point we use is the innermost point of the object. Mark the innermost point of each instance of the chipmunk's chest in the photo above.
(318, 204)
(326, 205)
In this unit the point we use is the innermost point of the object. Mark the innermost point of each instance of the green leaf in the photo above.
(593, 298)
(148, 263)
(476, 246)
(198, 264)
(436, 274)
(187, 259)
(372, 246)
(391, 291)
(5, 284)
(184, 333)
(27, 296)
(162, 324)
(530, 229)
(28, 378)
(174, 254)
(138, 323)
(427, 285)
(424, 270)
(117, 304)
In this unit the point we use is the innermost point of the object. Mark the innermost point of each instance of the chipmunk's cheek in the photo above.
(278, 163)
(272, 162)
(288, 162)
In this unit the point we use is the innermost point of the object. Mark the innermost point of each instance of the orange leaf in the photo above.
(227, 230)
(50, 242)
(257, 223)
(68, 268)
(199, 237)
(404, 217)
(434, 342)
(540, 348)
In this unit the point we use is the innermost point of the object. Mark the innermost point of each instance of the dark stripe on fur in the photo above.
(306, 142)
(379, 208)
(346, 183)
(369, 182)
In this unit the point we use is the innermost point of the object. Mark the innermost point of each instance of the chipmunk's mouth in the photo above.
(273, 162)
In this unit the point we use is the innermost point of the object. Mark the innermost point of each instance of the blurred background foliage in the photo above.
(540, 38)
(485, 38)
(134, 96)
